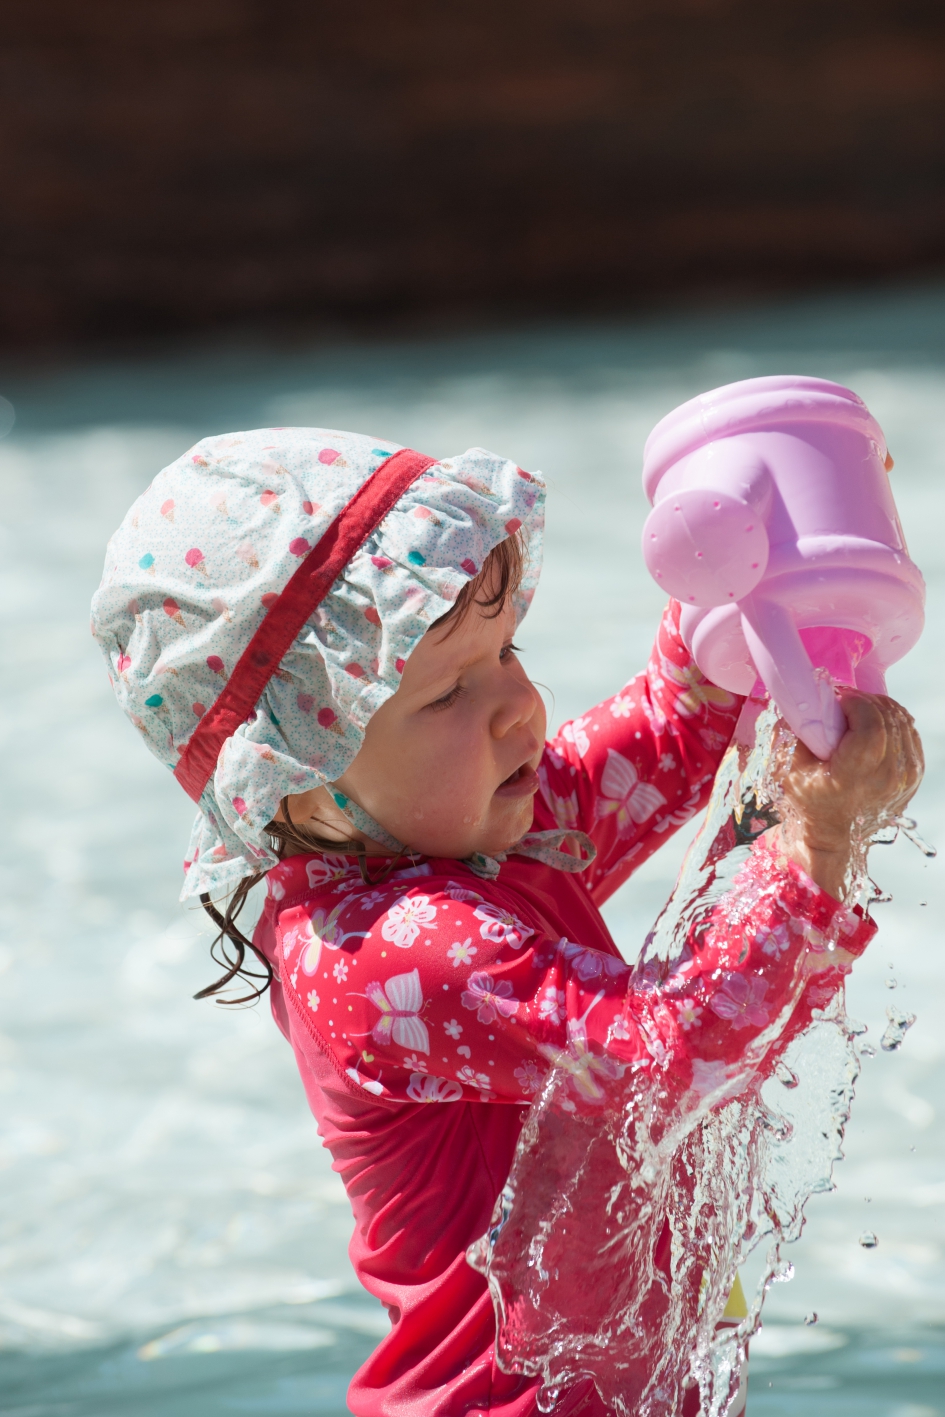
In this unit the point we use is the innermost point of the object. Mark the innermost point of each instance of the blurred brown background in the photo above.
(180, 164)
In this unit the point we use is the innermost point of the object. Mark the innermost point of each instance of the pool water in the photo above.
(172, 1240)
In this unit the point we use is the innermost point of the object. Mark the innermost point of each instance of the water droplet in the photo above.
(907, 825)
(899, 1024)
(784, 1075)
(811, 1319)
(868, 1240)
(890, 983)
(867, 1051)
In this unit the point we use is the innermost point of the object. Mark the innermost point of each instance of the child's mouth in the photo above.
(520, 783)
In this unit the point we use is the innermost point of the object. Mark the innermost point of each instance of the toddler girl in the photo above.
(314, 631)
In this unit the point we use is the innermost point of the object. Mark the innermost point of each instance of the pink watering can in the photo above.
(774, 524)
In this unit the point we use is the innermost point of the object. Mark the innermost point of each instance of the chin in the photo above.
(504, 837)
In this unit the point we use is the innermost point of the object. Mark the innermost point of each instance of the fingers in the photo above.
(868, 781)
(864, 712)
(866, 742)
(911, 742)
(906, 747)
(913, 758)
(883, 740)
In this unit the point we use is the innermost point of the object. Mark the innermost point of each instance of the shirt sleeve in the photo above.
(440, 991)
(630, 771)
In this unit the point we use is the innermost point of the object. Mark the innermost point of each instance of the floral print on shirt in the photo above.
(458, 988)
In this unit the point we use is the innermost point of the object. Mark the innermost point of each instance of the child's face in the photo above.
(448, 762)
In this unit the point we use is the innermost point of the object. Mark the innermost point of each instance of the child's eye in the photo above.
(449, 699)
(506, 650)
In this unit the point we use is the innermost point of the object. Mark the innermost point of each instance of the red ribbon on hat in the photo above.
(306, 588)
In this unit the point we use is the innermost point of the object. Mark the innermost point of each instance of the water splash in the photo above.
(868, 1240)
(899, 1024)
(907, 825)
(618, 1236)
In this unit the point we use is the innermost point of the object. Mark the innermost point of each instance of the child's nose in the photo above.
(519, 703)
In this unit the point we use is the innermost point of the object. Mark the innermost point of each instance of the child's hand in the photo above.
(870, 778)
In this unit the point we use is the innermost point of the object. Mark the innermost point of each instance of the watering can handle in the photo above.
(806, 700)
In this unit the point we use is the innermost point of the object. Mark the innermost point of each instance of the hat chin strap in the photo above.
(363, 822)
(540, 846)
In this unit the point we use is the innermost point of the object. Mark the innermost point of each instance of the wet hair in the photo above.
(490, 589)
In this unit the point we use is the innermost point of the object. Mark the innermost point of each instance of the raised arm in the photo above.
(630, 771)
(430, 991)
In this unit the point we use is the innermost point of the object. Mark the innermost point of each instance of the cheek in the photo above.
(539, 723)
(449, 768)
(440, 775)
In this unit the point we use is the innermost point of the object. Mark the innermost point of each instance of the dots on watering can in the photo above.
(868, 1240)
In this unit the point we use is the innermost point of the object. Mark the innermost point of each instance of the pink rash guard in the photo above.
(437, 987)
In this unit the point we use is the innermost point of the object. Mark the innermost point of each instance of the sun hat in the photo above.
(213, 568)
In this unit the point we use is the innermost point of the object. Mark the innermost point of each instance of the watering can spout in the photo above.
(801, 683)
(774, 525)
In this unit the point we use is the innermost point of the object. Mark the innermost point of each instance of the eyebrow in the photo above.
(439, 684)
(453, 674)
(445, 678)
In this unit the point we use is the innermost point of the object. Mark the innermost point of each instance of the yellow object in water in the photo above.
(736, 1308)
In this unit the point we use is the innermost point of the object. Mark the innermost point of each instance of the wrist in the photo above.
(825, 860)
(825, 839)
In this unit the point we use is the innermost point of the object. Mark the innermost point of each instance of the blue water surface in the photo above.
(172, 1240)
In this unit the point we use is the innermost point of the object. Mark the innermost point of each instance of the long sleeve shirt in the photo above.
(425, 1012)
